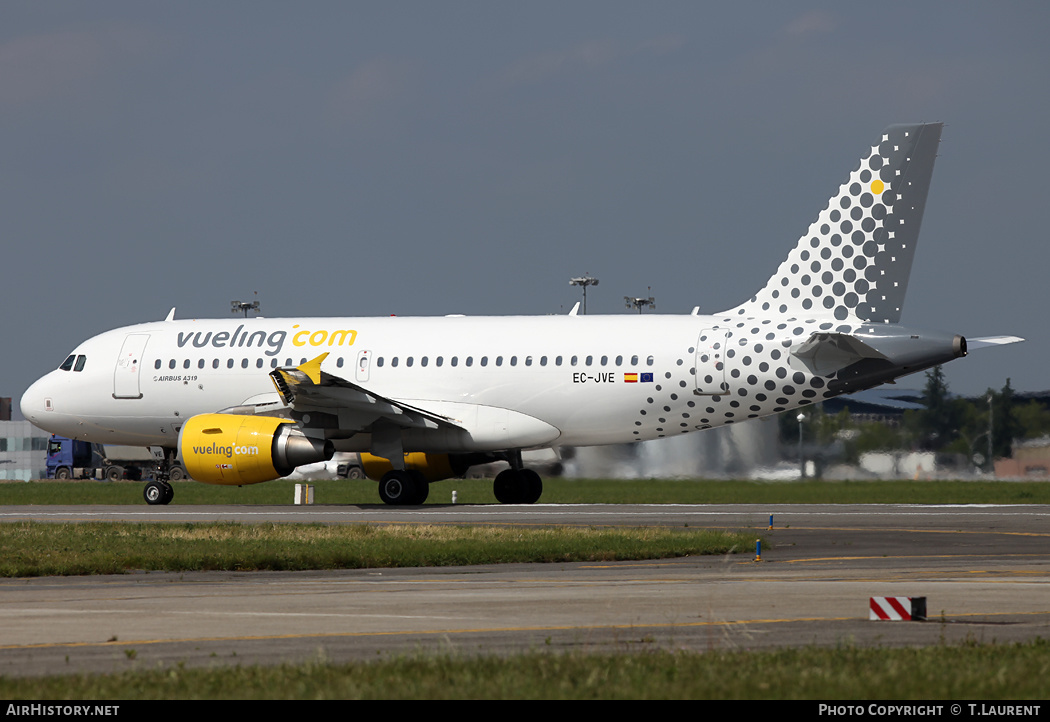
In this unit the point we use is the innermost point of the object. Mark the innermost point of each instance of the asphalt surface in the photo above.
(983, 570)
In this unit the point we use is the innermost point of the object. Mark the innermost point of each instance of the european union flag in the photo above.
(646, 378)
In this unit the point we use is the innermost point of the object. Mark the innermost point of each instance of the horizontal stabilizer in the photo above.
(975, 343)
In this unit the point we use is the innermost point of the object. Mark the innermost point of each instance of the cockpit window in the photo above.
(68, 363)
(80, 363)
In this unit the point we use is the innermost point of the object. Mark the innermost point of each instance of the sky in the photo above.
(425, 158)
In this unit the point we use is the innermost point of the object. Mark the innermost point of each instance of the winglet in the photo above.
(312, 369)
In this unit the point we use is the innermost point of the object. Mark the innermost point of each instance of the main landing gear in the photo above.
(517, 486)
(404, 487)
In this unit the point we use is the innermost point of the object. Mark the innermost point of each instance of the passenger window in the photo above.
(339, 362)
(484, 360)
(543, 360)
(408, 361)
(634, 360)
(605, 360)
(171, 364)
(200, 363)
(589, 359)
(186, 364)
(499, 360)
(573, 361)
(229, 363)
(455, 361)
(557, 361)
(273, 363)
(80, 363)
(258, 363)
(156, 364)
(619, 360)
(649, 361)
(441, 361)
(215, 363)
(379, 361)
(393, 362)
(68, 363)
(528, 360)
(244, 363)
(470, 360)
(424, 361)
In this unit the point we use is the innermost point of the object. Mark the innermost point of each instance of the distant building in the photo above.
(23, 451)
(1031, 458)
(882, 404)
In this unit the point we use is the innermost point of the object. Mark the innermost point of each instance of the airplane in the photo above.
(425, 398)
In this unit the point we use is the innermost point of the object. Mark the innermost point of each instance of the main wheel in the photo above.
(422, 487)
(398, 488)
(533, 486)
(510, 487)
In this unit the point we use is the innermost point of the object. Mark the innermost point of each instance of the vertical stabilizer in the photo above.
(855, 259)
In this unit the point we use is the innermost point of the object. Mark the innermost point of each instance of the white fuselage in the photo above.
(563, 380)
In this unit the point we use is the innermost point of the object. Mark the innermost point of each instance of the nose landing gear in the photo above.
(158, 492)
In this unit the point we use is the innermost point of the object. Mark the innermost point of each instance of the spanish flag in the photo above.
(630, 378)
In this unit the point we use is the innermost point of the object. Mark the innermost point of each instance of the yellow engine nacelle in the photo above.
(434, 467)
(237, 450)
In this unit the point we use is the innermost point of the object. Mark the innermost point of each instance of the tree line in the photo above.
(946, 424)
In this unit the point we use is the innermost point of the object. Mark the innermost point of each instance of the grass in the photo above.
(557, 491)
(43, 549)
(978, 672)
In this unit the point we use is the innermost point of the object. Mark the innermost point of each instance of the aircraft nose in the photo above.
(36, 401)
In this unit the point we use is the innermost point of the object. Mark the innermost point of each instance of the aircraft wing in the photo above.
(307, 388)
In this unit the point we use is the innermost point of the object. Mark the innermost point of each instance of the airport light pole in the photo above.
(245, 306)
(991, 459)
(801, 462)
(639, 303)
(584, 281)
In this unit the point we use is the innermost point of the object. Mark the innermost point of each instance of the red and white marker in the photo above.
(897, 608)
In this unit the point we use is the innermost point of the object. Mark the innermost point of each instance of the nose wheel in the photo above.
(158, 492)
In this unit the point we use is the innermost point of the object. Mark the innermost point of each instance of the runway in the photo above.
(983, 570)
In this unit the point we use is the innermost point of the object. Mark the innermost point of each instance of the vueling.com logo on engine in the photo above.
(227, 451)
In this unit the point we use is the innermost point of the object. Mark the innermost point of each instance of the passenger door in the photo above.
(126, 374)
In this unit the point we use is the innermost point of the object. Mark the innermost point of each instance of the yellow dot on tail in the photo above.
(877, 187)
